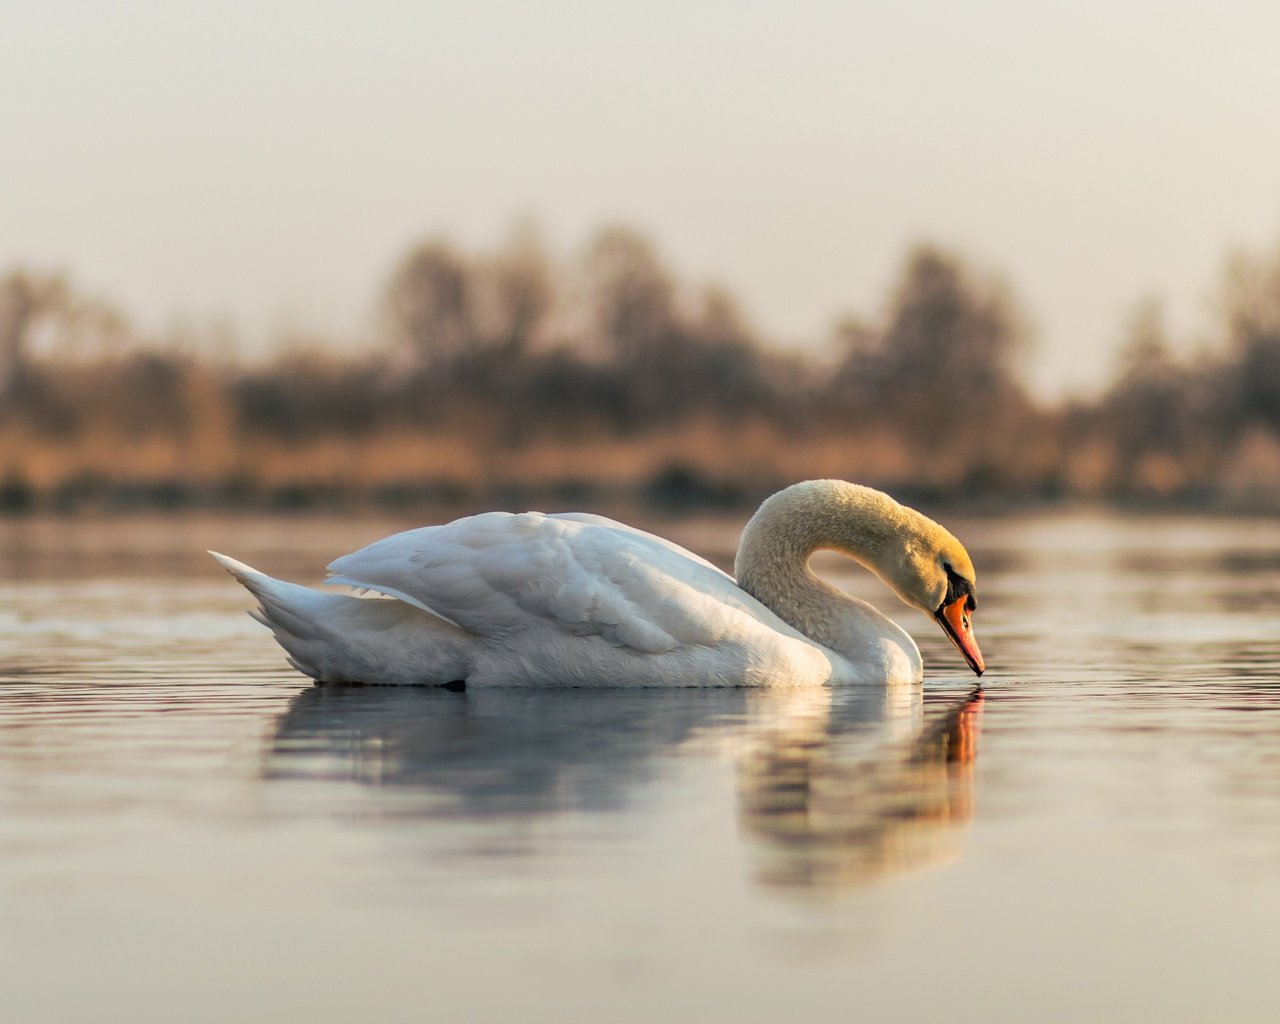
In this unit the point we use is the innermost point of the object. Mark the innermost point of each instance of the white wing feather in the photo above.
(499, 574)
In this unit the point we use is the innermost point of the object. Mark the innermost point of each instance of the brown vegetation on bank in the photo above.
(502, 378)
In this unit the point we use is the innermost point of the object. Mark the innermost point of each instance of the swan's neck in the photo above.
(773, 560)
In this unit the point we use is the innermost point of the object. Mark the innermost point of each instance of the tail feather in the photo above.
(283, 605)
(340, 638)
(304, 668)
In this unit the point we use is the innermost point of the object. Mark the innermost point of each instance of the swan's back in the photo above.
(502, 576)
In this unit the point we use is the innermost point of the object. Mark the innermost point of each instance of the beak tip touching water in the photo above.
(954, 619)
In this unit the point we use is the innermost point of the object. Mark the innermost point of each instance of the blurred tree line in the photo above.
(507, 376)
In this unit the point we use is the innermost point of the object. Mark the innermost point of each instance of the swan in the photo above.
(575, 599)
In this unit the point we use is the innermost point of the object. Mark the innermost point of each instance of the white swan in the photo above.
(580, 600)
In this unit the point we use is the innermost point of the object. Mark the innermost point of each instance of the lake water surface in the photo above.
(189, 831)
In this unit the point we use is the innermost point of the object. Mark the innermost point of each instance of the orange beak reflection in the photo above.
(955, 621)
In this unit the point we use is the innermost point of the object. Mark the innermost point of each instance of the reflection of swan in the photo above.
(574, 599)
(834, 806)
(494, 751)
(834, 786)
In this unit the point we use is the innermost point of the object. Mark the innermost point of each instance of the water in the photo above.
(190, 832)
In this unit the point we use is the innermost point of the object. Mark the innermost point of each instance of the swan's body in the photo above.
(580, 600)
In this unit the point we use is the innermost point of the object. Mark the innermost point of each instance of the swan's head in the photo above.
(922, 562)
(934, 573)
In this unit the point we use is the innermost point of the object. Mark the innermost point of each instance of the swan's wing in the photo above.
(591, 519)
(498, 574)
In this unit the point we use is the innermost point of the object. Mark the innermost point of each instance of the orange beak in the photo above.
(955, 623)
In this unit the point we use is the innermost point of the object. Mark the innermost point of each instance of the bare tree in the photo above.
(1252, 314)
(516, 292)
(632, 295)
(429, 304)
(944, 361)
(25, 299)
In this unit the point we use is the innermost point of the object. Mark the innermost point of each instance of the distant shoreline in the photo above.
(662, 497)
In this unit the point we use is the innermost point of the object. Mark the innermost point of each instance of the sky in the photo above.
(263, 165)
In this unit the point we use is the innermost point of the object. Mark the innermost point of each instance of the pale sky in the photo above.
(265, 163)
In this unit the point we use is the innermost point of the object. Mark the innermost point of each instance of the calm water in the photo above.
(190, 832)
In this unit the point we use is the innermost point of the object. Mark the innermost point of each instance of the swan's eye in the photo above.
(958, 587)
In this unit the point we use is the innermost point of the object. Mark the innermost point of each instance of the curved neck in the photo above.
(773, 559)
